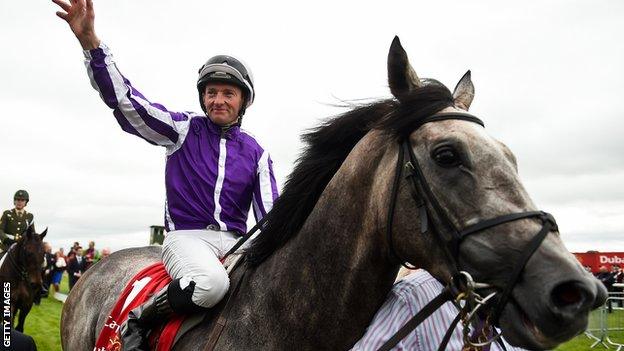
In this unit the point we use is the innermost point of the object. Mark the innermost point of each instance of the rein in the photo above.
(23, 274)
(461, 287)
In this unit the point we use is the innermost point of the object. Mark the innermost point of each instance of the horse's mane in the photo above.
(327, 146)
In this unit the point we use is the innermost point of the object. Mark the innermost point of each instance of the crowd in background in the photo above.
(609, 278)
(75, 263)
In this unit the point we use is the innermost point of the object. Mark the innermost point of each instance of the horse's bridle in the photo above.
(23, 273)
(430, 211)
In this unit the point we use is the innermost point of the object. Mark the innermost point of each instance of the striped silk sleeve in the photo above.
(135, 114)
(392, 315)
(265, 189)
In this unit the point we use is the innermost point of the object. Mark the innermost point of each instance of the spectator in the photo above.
(617, 273)
(607, 279)
(618, 276)
(60, 265)
(49, 260)
(408, 296)
(105, 253)
(75, 266)
(90, 255)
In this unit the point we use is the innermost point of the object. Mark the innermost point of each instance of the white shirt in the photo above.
(408, 296)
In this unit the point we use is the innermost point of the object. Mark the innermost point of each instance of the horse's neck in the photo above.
(4, 264)
(334, 274)
(8, 269)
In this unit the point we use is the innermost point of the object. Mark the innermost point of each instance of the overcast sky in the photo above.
(549, 79)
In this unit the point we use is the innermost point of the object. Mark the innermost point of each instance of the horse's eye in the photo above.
(446, 156)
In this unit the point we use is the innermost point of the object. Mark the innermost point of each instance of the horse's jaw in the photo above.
(543, 325)
(520, 330)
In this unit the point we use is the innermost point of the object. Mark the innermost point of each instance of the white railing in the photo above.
(606, 324)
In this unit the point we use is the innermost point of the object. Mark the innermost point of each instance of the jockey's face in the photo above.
(19, 204)
(223, 102)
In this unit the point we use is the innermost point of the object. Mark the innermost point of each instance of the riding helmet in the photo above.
(21, 194)
(227, 69)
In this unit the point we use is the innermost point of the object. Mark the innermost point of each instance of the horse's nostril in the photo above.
(568, 294)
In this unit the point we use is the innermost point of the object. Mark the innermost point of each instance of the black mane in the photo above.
(327, 146)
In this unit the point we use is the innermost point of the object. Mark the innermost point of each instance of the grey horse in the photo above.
(322, 267)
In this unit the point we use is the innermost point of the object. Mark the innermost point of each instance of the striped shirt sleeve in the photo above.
(135, 114)
(265, 187)
(389, 319)
(406, 298)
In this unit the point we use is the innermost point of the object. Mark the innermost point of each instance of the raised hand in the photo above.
(80, 16)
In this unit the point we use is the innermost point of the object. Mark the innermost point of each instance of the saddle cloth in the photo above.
(146, 283)
(139, 289)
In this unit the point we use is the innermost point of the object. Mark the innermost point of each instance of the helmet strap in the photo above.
(237, 122)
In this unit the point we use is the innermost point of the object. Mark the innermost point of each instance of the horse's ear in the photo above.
(30, 231)
(464, 92)
(42, 235)
(401, 76)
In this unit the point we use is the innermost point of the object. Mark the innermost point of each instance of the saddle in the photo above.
(139, 289)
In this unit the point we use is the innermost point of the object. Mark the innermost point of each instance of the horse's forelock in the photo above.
(419, 104)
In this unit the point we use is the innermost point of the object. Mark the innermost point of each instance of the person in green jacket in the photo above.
(13, 223)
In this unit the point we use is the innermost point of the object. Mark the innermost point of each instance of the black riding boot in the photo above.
(171, 299)
(141, 319)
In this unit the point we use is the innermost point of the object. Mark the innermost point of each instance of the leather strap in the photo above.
(245, 237)
(424, 313)
(216, 331)
(449, 332)
(528, 251)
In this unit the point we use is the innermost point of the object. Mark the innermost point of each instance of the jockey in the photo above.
(214, 172)
(14, 223)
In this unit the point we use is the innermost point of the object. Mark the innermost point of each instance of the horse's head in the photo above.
(30, 253)
(473, 178)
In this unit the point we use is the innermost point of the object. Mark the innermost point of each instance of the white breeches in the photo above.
(193, 255)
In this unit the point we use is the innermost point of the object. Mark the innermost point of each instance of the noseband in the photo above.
(431, 212)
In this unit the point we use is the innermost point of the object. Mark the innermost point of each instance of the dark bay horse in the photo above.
(323, 265)
(21, 268)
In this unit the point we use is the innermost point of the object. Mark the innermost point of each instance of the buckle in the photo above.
(410, 170)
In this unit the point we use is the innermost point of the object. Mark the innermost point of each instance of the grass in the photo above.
(43, 324)
(44, 321)
(582, 342)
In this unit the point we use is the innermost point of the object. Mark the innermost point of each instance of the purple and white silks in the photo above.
(211, 177)
(408, 296)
